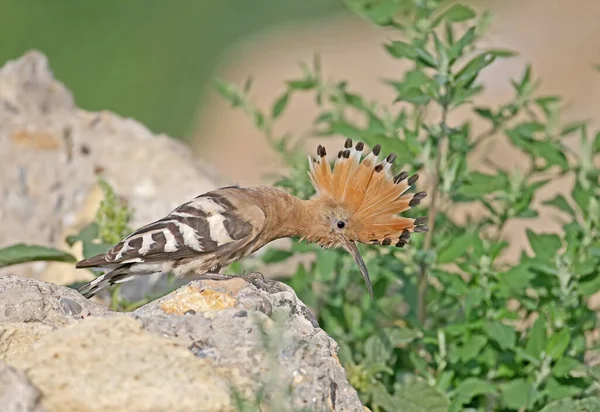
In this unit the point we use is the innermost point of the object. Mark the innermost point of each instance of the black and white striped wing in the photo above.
(218, 219)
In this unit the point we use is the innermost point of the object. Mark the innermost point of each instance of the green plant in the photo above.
(111, 224)
(454, 326)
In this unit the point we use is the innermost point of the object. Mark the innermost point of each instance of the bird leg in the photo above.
(215, 276)
(252, 276)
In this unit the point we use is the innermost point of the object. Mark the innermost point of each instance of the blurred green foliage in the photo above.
(453, 327)
(146, 59)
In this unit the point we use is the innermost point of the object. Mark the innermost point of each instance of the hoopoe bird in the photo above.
(356, 201)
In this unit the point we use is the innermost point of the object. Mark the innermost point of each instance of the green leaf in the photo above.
(486, 113)
(229, 92)
(352, 315)
(471, 348)
(426, 58)
(558, 343)
(355, 100)
(474, 66)
(419, 397)
(516, 393)
(382, 397)
(380, 13)
(23, 253)
(457, 48)
(419, 364)
(376, 351)
(470, 388)
(537, 338)
(280, 105)
(516, 279)
(454, 249)
(480, 184)
(414, 96)
(453, 283)
(582, 198)
(550, 152)
(414, 79)
(303, 84)
(400, 49)
(344, 129)
(589, 285)
(591, 404)
(572, 127)
(402, 336)
(559, 390)
(502, 53)
(273, 255)
(561, 203)
(459, 12)
(504, 335)
(473, 300)
(564, 366)
(545, 246)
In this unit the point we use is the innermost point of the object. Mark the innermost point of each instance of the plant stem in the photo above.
(433, 209)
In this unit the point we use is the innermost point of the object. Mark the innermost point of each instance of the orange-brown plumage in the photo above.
(368, 193)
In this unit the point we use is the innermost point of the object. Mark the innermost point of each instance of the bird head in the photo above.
(359, 201)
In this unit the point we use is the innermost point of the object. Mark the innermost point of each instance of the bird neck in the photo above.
(288, 215)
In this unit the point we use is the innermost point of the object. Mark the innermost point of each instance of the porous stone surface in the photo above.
(196, 349)
(51, 152)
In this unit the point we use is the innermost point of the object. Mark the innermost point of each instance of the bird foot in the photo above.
(253, 276)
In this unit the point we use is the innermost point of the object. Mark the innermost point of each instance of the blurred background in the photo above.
(156, 62)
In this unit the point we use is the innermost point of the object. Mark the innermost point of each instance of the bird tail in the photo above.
(369, 191)
(118, 275)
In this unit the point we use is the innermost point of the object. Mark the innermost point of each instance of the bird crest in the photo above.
(372, 196)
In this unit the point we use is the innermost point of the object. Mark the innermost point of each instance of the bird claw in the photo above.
(253, 276)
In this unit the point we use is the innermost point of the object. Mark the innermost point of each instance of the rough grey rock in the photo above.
(51, 151)
(30, 301)
(17, 394)
(193, 349)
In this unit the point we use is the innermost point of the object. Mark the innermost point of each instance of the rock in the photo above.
(51, 152)
(17, 394)
(30, 301)
(17, 337)
(262, 329)
(105, 364)
(196, 349)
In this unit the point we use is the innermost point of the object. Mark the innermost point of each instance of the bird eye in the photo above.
(341, 224)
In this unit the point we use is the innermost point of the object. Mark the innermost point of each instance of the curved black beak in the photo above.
(350, 246)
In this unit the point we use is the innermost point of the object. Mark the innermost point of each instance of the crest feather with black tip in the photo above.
(371, 194)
